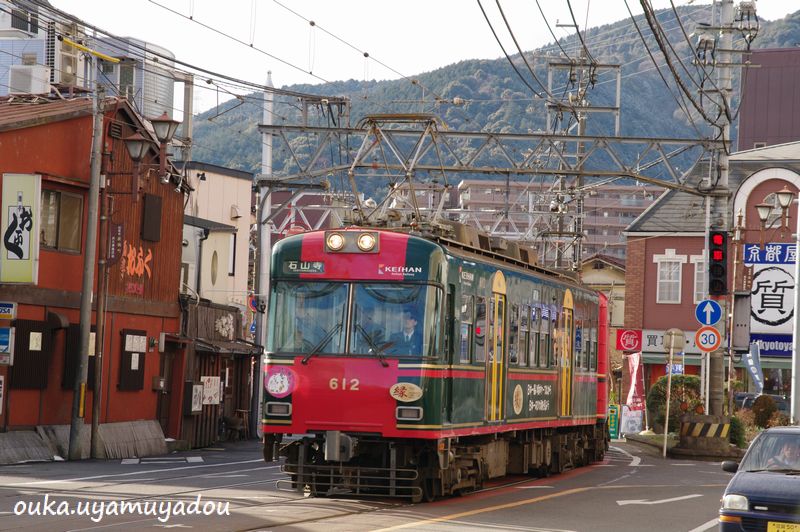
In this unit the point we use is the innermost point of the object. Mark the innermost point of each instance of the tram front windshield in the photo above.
(392, 320)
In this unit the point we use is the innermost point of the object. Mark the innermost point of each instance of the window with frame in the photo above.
(513, 335)
(232, 255)
(669, 282)
(61, 220)
(466, 328)
(479, 344)
(700, 278)
(524, 334)
(132, 360)
(544, 338)
(127, 86)
(24, 20)
(533, 359)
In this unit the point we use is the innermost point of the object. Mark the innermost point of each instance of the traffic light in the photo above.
(718, 263)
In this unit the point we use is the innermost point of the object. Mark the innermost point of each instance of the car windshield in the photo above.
(773, 452)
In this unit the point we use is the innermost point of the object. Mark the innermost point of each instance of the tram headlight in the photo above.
(335, 241)
(366, 241)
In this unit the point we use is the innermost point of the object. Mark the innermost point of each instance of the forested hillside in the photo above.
(490, 94)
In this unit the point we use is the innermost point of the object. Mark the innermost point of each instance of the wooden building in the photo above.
(45, 166)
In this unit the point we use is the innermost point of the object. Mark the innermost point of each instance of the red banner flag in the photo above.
(636, 392)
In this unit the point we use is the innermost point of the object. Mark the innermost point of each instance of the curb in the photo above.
(673, 451)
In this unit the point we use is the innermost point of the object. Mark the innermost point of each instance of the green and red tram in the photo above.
(507, 375)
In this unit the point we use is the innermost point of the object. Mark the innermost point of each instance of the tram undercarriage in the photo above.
(336, 463)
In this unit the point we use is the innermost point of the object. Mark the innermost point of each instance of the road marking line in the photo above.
(129, 461)
(706, 526)
(534, 487)
(451, 517)
(78, 479)
(195, 459)
(662, 501)
(635, 460)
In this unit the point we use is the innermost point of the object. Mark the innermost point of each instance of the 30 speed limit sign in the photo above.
(707, 339)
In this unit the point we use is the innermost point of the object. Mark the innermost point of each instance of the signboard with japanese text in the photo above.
(210, 390)
(19, 228)
(771, 297)
(772, 289)
(629, 339)
(116, 237)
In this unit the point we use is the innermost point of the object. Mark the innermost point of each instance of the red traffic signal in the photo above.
(718, 263)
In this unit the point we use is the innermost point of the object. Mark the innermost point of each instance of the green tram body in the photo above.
(446, 419)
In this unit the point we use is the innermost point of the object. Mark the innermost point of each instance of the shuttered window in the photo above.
(32, 345)
(131, 367)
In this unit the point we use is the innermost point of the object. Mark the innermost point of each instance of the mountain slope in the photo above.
(494, 98)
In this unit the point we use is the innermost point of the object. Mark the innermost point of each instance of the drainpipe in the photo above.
(200, 260)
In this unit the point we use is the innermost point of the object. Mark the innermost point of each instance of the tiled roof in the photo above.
(608, 259)
(681, 212)
(19, 114)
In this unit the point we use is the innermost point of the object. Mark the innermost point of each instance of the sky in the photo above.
(403, 38)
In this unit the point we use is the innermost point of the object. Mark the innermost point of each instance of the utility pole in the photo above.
(264, 248)
(581, 71)
(90, 253)
(100, 329)
(721, 94)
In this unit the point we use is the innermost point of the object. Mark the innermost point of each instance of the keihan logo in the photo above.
(398, 270)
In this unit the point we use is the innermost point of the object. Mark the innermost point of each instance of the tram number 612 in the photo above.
(343, 384)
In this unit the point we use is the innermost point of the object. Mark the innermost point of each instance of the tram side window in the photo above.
(524, 334)
(467, 321)
(544, 338)
(533, 360)
(490, 330)
(587, 351)
(553, 325)
(480, 330)
(513, 335)
(593, 356)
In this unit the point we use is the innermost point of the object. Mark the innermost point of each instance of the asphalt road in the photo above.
(231, 488)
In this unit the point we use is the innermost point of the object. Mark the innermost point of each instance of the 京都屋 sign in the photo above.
(772, 288)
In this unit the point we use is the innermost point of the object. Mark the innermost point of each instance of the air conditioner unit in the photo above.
(66, 62)
(29, 79)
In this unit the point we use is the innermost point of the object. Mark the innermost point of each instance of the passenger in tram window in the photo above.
(409, 340)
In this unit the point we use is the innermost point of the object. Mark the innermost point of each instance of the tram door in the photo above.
(495, 359)
(567, 338)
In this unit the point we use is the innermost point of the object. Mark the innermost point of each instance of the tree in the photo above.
(684, 397)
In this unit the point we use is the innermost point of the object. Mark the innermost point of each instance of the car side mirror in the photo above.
(730, 466)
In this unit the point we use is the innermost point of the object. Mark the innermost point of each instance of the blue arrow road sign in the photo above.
(253, 328)
(708, 312)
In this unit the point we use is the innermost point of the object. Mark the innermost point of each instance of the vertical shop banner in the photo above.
(19, 228)
(752, 361)
(636, 392)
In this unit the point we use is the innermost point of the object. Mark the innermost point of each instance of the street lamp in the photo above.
(783, 199)
(137, 147)
(164, 128)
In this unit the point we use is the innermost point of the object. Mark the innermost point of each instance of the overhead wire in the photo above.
(508, 57)
(519, 49)
(681, 103)
(550, 29)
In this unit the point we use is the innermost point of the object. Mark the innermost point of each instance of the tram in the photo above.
(506, 374)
